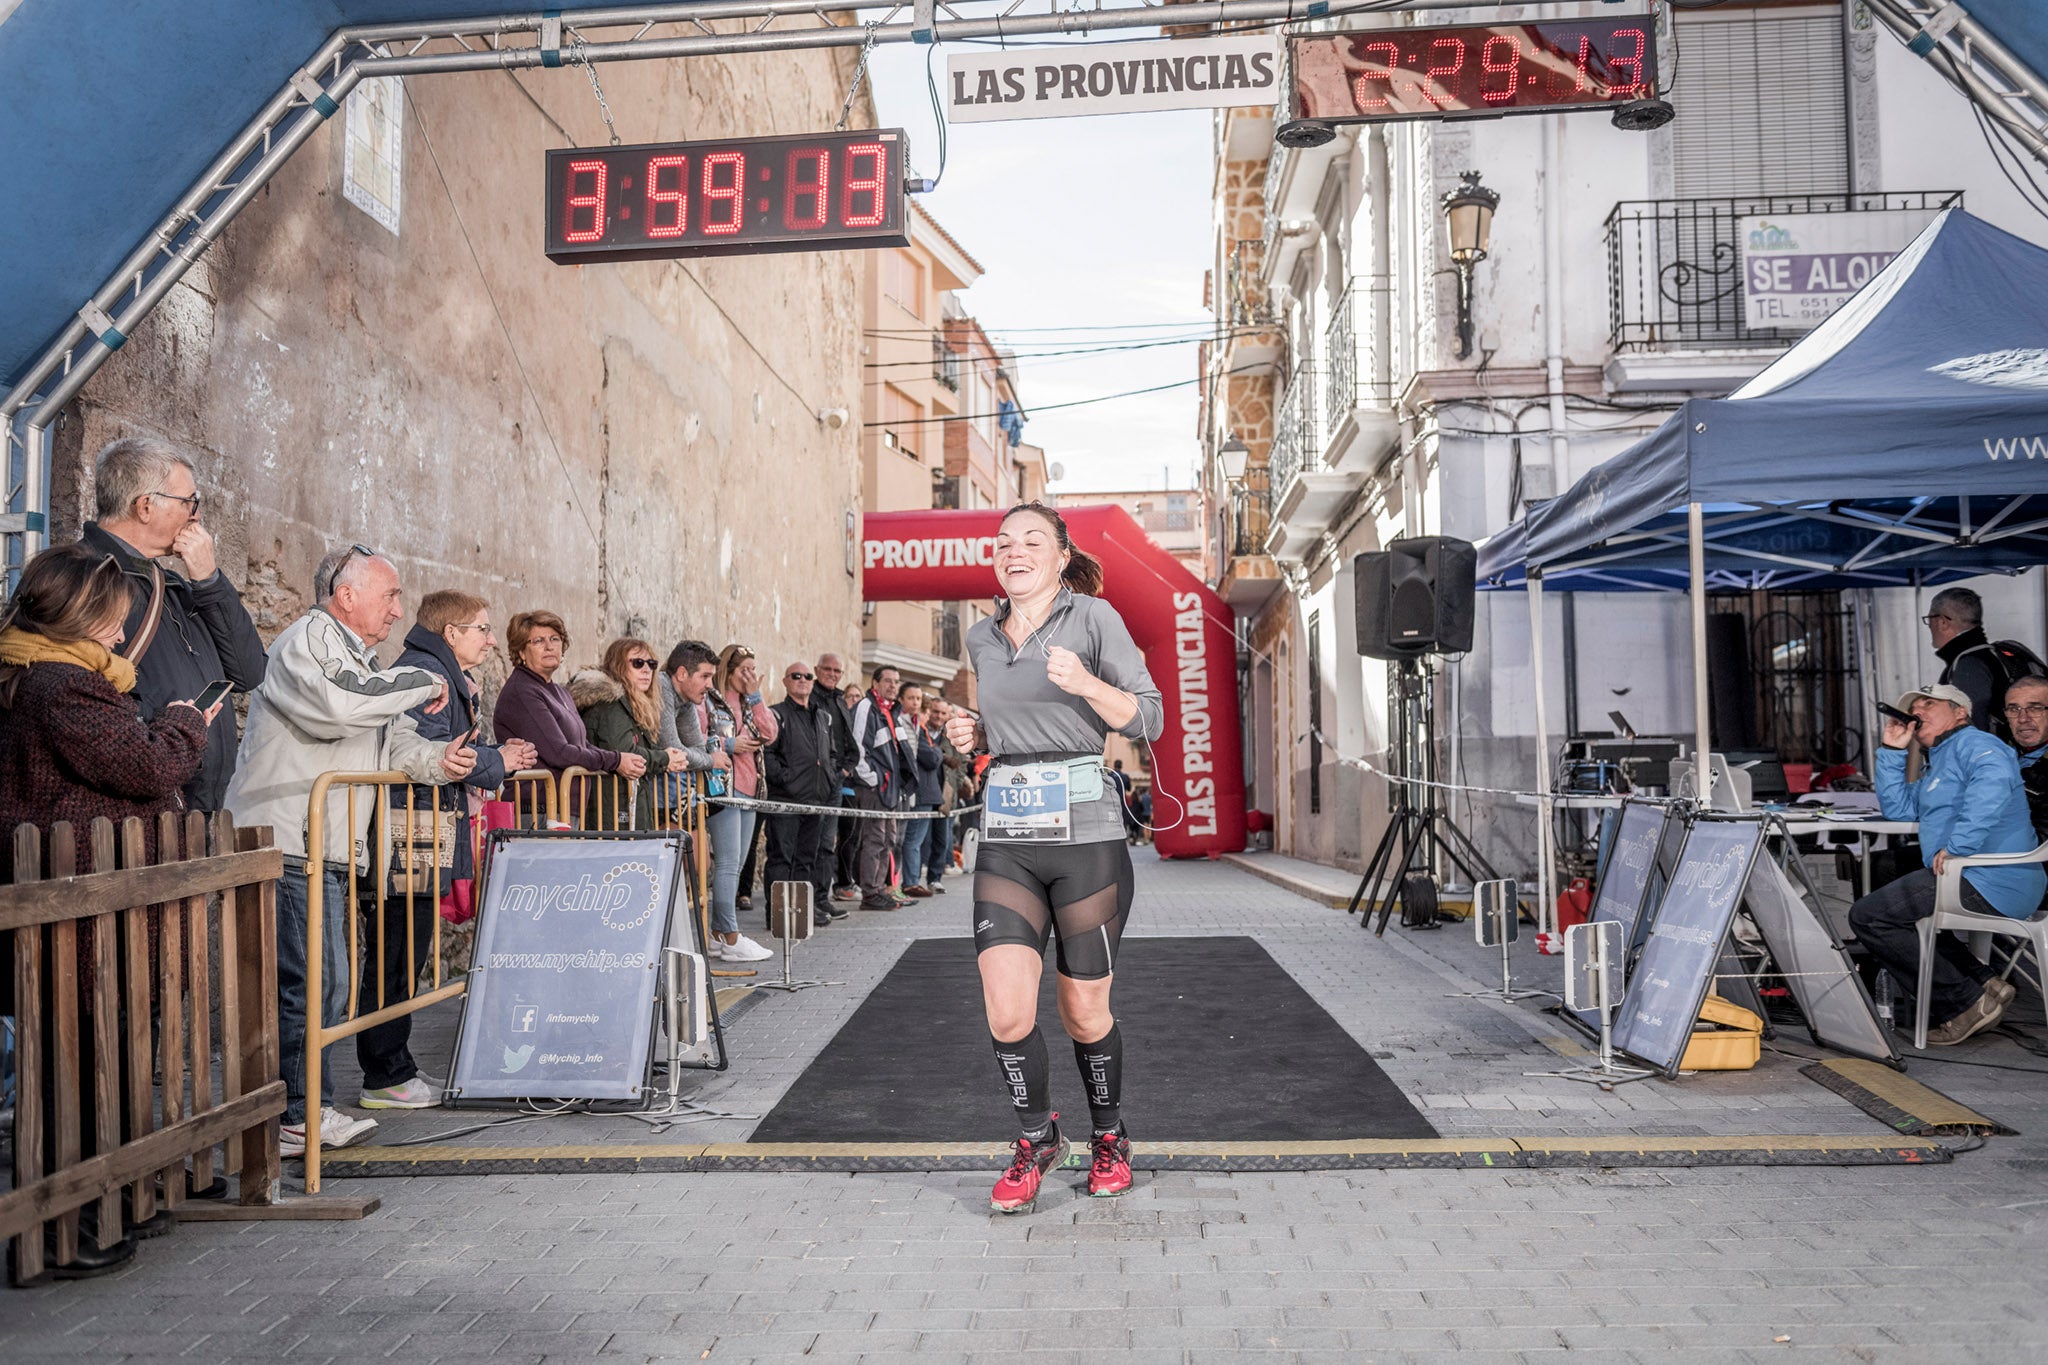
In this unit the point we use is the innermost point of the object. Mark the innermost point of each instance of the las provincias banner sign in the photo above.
(1113, 78)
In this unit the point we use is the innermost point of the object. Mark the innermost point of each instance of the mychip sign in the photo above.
(1113, 78)
(568, 951)
(1797, 268)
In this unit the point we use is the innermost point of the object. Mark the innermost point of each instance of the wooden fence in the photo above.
(86, 1042)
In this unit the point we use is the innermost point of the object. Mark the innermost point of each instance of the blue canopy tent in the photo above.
(1903, 441)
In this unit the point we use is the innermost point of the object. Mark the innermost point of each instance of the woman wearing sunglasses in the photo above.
(622, 712)
(1055, 671)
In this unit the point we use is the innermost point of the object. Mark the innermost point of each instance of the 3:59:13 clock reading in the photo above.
(684, 198)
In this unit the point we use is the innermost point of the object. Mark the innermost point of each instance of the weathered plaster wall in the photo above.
(632, 445)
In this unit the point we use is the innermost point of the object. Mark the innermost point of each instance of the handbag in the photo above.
(422, 844)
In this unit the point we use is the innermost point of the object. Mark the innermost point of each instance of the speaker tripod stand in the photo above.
(1421, 835)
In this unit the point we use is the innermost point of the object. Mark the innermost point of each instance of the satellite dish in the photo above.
(1057, 472)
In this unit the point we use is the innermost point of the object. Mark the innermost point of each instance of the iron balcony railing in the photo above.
(1674, 266)
(1297, 428)
(1251, 512)
(945, 363)
(1354, 376)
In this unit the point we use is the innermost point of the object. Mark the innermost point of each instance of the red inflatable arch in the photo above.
(1184, 629)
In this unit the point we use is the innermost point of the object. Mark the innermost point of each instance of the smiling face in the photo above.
(1028, 556)
(2026, 710)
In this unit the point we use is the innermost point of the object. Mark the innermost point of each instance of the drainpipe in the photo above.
(1553, 293)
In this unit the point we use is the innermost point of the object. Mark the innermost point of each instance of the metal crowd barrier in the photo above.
(421, 836)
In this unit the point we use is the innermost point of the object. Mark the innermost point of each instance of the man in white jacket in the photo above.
(325, 706)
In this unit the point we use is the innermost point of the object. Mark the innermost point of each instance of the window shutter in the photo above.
(1761, 106)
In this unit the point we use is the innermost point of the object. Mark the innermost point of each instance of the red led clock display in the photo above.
(1464, 72)
(831, 191)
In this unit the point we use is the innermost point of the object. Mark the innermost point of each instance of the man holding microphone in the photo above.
(1968, 801)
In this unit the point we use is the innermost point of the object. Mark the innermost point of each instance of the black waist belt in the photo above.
(1013, 760)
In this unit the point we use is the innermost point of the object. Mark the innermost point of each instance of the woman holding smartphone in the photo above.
(1055, 671)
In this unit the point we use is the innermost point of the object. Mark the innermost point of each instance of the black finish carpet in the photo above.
(1220, 1045)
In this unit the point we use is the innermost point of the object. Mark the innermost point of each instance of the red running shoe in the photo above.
(1017, 1191)
(1109, 1173)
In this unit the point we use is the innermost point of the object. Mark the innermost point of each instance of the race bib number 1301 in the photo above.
(1028, 805)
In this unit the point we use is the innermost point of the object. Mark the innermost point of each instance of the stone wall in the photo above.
(635, 446)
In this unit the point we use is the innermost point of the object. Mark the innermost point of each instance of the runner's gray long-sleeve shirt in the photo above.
(1024, 712)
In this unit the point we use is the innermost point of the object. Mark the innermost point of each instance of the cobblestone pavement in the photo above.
(1909, 1264)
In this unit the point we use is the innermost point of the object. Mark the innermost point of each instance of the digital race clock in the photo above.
(1473, 71)
(822, 192)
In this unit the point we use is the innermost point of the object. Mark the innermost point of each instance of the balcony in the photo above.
(1674, 286)
(1309, 496)
(1250, 577)
(1362, 428)
(1252, 340)
(945, 363)
(946, 632)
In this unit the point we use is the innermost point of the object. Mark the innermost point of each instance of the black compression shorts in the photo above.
(1086, 889)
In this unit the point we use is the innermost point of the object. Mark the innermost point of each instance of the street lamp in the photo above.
(1234, 454)
(1468, 210)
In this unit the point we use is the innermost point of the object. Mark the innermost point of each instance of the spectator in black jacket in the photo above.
(1955, 624)
(804, 766)
(840, 838)
(148, 502)
(926, 788)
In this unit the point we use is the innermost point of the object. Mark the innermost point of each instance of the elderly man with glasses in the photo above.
(2026, 715)
(148, 502)
(1968, 801)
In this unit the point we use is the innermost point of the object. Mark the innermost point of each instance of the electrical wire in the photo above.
(1055, 407)
(1999, 151)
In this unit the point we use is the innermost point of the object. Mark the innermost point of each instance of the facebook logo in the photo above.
(523, 1017)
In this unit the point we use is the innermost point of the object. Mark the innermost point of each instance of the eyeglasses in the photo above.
(1931, 617)
(191, 500)
(545, 640)
(801, 677)
(485, 627)
(326, 590)
(639, 663)
(2026, 709)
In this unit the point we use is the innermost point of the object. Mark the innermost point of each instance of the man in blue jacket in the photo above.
(1968, 801)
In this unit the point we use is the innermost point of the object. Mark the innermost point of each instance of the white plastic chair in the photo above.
(1950, 915)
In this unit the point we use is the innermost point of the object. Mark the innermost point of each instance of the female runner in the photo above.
(1055, 671)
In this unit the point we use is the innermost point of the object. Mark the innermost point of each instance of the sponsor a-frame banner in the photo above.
(1071, 79)
(1797, 268)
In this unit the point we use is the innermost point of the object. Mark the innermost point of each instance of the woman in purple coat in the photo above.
(533, 706)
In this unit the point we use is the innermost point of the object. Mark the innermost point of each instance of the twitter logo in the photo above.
(516, 1061)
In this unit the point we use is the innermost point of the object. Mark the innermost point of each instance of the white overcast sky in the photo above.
(1079, 223)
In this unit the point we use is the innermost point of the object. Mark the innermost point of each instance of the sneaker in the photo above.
(1986, 1010)
(1109, 1173)
(846, 893)
(938, 888)
(744, 949)
(1017, 1190)
(890, 904)
(413, 1094)
(920, 892)
(336, 1130)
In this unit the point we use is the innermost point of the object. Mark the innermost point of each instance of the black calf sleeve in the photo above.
(1102, 1075)
(1027, 1077)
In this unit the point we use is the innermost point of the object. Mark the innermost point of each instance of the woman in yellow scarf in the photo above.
(74, 747)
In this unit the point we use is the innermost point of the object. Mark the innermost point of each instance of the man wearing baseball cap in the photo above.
(1968, 801)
